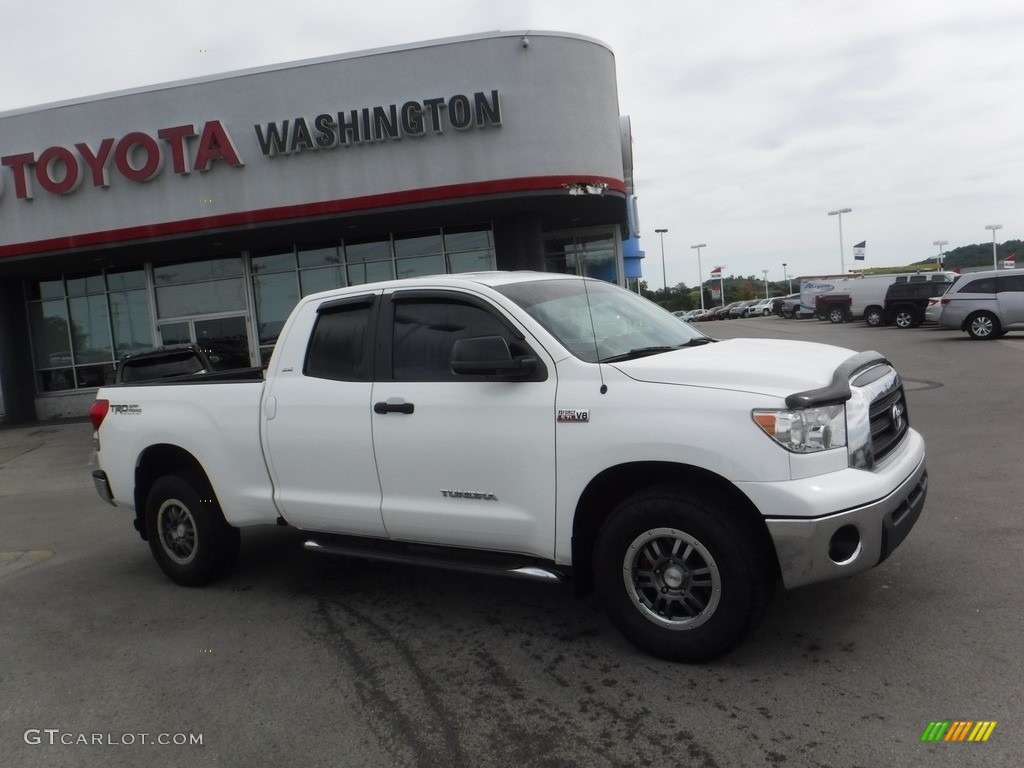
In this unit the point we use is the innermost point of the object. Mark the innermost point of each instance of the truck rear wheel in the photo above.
(837, 315)
(905, 318)
(678, 578)
(189, 538)
(873, 316)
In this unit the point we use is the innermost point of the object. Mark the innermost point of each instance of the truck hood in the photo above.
(765, 366)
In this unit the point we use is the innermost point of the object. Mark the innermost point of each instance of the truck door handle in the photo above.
(393, 408)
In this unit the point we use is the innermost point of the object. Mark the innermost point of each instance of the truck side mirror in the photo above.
(488, 356)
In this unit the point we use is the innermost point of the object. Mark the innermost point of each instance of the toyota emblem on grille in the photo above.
(897, 416)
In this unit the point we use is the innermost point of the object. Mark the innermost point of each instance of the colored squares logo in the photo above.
(958, 730)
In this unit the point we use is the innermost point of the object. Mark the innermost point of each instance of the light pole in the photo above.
(940, 243)
(994, 227)
(701, 273)
(785, 274)
(765, 272)
(664, 278)
(839, 213)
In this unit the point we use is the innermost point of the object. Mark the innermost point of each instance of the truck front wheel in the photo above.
(189, 538)
(837, 315)
(678, 578)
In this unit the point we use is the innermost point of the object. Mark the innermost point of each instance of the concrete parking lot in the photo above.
(301, 660)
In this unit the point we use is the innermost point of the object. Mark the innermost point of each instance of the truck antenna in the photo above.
(581, 266)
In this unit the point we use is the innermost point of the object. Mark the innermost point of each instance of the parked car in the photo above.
(705, 315)
(740, 309)
(687, 315)
(759, 308)
(778, 303)
(834, 307)
(722, 313)
(792, 308)
(905, 303)
(933, 310)
(985, 304)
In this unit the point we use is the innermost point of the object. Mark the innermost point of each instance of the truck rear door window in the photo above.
(337, 347)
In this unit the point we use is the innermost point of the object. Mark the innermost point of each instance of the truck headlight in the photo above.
(805, 430)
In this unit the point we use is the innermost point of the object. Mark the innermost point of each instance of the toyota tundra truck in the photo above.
(536, 425)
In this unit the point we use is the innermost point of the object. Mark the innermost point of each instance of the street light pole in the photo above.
(994, 227)
(765, 272)
(664, 278)
(940, 243)
(785, 274)
(839, 213)
(701, 273)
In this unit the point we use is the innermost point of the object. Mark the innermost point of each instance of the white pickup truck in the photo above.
(537, 425)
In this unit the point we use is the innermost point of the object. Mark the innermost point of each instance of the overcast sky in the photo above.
(751, 120)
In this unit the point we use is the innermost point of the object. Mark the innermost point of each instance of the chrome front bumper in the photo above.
(848, 542)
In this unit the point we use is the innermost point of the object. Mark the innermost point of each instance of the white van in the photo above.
(866, 292)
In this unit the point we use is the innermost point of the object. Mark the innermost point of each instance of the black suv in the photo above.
(905, 303)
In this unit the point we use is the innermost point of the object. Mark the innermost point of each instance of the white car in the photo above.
(760, 309)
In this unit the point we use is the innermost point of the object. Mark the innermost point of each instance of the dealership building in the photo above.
(202, 210)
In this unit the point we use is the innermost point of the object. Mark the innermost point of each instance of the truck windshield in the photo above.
(600, 322)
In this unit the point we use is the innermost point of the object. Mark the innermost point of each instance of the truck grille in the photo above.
(889, 422)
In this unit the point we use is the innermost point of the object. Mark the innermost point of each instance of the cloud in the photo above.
(750, 120)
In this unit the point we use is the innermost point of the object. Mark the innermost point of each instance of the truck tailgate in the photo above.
(217, 423)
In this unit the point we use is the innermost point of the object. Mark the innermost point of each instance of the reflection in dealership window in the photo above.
(79, 326)
(90, 329)
(129, 319)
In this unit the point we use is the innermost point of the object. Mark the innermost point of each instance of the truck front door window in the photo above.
(426, 331)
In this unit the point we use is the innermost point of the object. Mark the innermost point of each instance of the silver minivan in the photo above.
(985, 304)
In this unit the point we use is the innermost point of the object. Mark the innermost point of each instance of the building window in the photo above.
(591, 253)
(281, 277)
(81, 324)
(199, 288)
(275, 287)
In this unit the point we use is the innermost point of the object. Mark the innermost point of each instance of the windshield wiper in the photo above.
(699, 341)
(647, 351)
(633, 354)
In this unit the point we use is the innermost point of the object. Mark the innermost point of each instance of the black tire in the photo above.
(678, 577)
(983, 326)
(904, 317)
(189, 538)
(837, 315)
(873, 316)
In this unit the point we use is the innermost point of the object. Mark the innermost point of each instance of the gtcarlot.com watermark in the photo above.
(57, 737)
